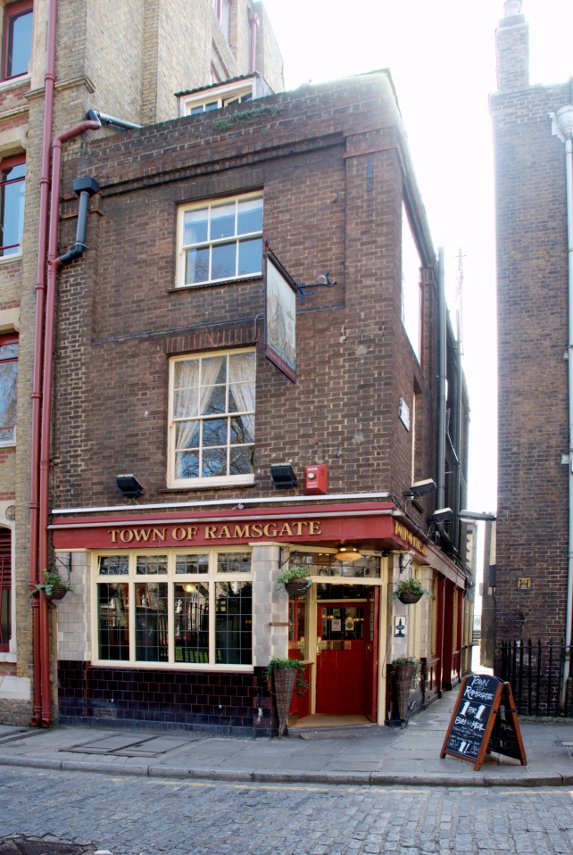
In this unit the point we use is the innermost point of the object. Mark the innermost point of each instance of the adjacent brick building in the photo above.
(201, 445)
(531, 584)
(123, 58)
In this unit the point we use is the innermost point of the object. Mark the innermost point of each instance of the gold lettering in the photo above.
(126, 535)
(299, 525)
(314, 527)
(114, 533)
(286, 530)
(223, 531)
(142, 534)
(242, 531)
(210, 532)
(179, 533)
(256, 530)
(191, 532)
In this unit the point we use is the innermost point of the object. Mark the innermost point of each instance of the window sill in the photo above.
(6, 259)
(174, 666)
(200, 285)
(8, 657)
(207, 484)
(15, 82)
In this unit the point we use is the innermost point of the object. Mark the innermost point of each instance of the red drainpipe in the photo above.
(54, 264)
(49, 87)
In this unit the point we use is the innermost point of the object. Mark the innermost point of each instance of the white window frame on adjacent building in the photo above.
(220, 240)
(222, 9)
(411, 285)
(212, 419)
(175, 608)
(218, 96)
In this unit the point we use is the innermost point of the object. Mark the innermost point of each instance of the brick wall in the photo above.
(332, 202)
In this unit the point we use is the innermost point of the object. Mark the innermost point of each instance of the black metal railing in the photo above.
(536, 671)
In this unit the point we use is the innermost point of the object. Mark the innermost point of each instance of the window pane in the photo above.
(223, 221)
(195, 226)
(191, 563)
(187, 435)
(214, 462)
(196, 266)
(234, 562)
(233, 622)
(213, 370)
(223, 261)
(151, 564)
(113, 620)
(241, 430)
(187, 464)
(213, 400)
(250, 216)
(242, 460)
(191, 623)
(250, 257)
(242, 367)
(19, 44)
(214, 432)
(151, 622)
(113, 565)
(8, 378)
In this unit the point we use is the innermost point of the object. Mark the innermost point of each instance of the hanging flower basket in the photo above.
(403, 675)
(297, 588)
(409, 598)
(296, 580)
(58, 592)
(53, 586)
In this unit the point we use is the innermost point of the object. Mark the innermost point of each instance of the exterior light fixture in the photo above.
(348, 553)
(420, 488)
(441, 515)
(129, 486)
(472, 516)
(321, 279)
(283, 476)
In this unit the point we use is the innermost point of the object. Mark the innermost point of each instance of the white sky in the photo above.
(441, 54)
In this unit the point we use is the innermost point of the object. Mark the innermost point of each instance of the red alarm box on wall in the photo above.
(316, 480)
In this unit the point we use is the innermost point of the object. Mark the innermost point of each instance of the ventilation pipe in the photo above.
(563, 128)
(442, 312)
(111, 121)
(84, 188)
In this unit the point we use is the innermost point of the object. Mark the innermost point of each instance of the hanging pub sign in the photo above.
(280, 315)
(484, 720)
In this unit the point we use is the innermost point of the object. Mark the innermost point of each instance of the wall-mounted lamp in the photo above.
(420, 488)
(348, 553)
(441, 515)
(283, 476)
(129, 486)
(472, 516)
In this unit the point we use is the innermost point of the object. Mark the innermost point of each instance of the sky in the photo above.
(441, 54)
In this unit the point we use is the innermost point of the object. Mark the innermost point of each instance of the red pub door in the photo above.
(344, 654)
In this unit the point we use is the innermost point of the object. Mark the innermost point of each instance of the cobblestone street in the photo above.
(141, 816)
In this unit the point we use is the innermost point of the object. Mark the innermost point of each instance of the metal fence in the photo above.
(536, 672)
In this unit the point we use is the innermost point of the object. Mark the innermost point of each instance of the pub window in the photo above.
(5, 589)
(177, 608)
(12, 191)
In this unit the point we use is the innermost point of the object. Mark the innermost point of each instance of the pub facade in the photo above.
(254, 370)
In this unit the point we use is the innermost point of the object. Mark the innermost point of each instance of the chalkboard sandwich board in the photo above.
(484, 719)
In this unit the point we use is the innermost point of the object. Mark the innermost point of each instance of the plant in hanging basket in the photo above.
(284, 674)
(53, 586)
(295, 579)
(409, 591)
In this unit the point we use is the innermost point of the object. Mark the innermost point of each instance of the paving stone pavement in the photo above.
(368, 755)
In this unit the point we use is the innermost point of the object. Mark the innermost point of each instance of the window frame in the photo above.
(217, 480)
(6, 164)
(211, 578)
(210, 244)
(11, 12)
(7, 339)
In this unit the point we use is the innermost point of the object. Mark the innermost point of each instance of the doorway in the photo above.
(345, 661)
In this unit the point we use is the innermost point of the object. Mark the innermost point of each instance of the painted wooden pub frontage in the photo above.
(186, 612)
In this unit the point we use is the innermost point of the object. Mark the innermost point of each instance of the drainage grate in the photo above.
(126, 745)
(17, 845)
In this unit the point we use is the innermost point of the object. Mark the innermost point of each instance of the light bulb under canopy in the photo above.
(348, 553)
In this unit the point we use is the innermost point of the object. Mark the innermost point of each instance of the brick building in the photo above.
(123, 58)
(533, 578)
(254, 371)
